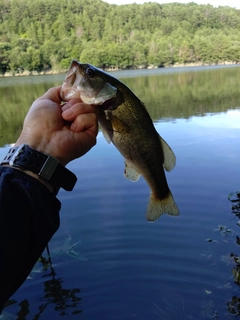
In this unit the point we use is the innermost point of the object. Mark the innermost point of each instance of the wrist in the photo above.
(41, 166)
(48, 185)
(39, 144)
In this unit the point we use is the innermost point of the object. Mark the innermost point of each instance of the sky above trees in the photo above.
(215, 3)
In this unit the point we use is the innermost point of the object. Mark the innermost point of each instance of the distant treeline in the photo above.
(47, 34)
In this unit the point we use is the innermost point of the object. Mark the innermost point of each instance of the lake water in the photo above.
(108, 262)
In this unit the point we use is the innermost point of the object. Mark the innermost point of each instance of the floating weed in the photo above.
(40, 266)
(234, 306)
(227, 285)
(211, 240)
(236, 275)
(207, 310)
(208, 291)
(223, 229)
(236, 210)
(215, 316)
(207, 256)
(237, 240)
(234, 196)
(220, 228)
(171, 312)
(68, 249)
(7, 316)
(237, 259)
(227, 259)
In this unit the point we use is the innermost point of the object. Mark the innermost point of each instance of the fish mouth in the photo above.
(109, 104)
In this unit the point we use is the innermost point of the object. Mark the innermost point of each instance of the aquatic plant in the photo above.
(234, 304)
(69, 249)
(171, 312)
(65, 301)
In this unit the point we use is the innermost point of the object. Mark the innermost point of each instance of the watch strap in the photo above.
(45, 166)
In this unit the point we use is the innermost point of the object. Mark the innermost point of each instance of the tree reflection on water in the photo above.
(65, 301)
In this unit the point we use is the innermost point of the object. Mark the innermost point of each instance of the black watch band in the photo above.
(45, 166)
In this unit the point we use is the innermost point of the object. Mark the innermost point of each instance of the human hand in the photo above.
(65, 132)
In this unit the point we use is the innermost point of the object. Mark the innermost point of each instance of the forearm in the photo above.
(29, 216)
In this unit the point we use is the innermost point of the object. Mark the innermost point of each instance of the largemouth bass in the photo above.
(126, 123)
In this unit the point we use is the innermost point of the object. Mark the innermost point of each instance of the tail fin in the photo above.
(157, 207)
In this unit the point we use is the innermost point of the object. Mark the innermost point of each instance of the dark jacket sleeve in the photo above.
(29, 216)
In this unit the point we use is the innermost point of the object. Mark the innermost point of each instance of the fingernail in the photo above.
(66, 106)
(73, 126)
(67, 112)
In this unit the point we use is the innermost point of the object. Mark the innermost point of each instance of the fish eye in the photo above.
(89, 72)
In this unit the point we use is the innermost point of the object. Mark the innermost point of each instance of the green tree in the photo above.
(5, 49)
(45, 34)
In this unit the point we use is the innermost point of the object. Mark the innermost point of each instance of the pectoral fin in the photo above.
(169, 156)
(130, 173)
(117, 124)
(106, 135)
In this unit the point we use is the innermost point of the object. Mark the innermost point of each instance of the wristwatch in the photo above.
(47, 167)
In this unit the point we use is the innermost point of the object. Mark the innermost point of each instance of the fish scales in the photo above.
(126, 123)
(150, 152)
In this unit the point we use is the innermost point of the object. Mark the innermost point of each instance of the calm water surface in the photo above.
(108, 262)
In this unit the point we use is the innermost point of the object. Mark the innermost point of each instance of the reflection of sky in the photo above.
(131, 263)
(202, 131)
(229, 119)
(131, 253)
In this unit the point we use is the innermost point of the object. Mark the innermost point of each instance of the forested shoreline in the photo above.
(45, 35)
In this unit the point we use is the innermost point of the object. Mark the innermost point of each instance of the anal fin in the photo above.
(130, 173)
(169, 156)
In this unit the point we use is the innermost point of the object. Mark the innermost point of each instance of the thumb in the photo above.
(52, 94)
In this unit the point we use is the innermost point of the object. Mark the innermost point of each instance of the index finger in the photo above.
(52, 94)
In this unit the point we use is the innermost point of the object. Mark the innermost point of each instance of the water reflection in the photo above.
(167, 96)
(137, 270)
(64, 301)
(233, 305)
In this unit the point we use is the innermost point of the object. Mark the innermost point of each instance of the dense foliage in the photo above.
(42, 34)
